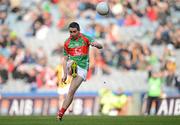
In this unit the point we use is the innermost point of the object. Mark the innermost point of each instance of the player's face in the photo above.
(73, 32)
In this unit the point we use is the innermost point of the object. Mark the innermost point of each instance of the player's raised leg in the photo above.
(74, 69)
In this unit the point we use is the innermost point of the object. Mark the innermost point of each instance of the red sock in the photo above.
(62, 111)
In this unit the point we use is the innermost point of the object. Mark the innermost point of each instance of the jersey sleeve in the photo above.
(89, 38)
(65, 49)
(65, 52)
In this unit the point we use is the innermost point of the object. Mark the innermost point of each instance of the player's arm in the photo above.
(64, 64)
(65, 59)
(96, 44)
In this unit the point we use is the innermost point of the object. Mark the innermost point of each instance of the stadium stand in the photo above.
(128, 33)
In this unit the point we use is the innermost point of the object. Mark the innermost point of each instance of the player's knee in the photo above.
(71, 92)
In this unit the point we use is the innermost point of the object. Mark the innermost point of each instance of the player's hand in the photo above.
(64, 78)
(97, 45)
(57, 84)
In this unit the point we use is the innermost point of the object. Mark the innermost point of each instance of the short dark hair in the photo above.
(74, 25)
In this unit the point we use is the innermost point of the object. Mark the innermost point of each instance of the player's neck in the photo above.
(75, 37)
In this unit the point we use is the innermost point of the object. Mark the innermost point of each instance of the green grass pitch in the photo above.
(90, 120)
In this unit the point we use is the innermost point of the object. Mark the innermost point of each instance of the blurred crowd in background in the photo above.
(149, 23)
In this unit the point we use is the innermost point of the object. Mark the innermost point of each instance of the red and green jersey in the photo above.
(78, 50)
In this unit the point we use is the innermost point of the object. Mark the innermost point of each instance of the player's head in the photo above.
(74, 25)
(74, 29)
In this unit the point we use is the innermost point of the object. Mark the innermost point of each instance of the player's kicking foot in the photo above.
(74, 69)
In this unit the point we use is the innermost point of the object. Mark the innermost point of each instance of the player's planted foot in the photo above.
(74, 69)
(59, 116)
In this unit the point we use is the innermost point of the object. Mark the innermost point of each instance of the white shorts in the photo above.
(80, 71)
